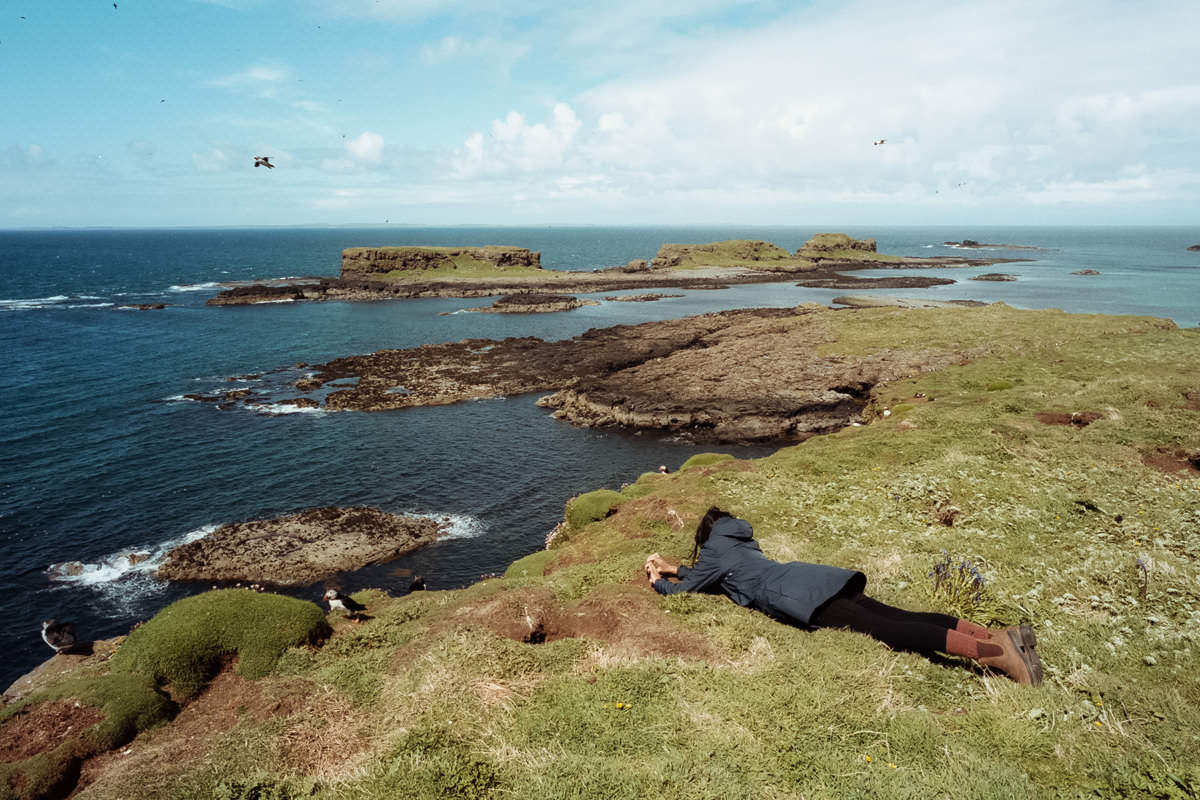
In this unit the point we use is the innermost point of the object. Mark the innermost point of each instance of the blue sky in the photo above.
(544, 112)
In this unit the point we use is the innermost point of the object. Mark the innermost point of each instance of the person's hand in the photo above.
(661, 564)
(652, 573)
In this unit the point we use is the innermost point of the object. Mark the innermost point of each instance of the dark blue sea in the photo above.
(103, 461)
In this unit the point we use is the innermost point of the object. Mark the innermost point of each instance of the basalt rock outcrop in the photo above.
(300, 548)
(994, 276)
(1194, 248)
(730, 376)
(826, 244)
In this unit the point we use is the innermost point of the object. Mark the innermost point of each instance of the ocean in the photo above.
(105, 464)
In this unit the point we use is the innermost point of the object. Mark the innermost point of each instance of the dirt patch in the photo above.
(1080, 419)
(43, 727)
(1173, 461)
(626, 617)
(1192, 400)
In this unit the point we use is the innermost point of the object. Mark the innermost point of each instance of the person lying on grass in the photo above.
(727, 559)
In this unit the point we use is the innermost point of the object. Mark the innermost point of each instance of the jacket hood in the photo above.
(729, 528)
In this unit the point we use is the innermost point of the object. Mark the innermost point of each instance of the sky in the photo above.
(149, 113)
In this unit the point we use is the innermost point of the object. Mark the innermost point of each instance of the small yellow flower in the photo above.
(890, 764)
(1099, 724)
(867, 759)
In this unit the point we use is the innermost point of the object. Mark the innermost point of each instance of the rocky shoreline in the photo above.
(748, 375)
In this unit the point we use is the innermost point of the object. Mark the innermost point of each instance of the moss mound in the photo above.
(704, 460)
(185, 644)
(592, 506)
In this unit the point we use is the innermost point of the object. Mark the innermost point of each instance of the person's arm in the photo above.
(695, 579)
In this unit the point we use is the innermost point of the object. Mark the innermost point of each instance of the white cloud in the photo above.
(215, 159)
(493, 51)
(517, 146)
(311, 105)
(366, 149)
(263, 77)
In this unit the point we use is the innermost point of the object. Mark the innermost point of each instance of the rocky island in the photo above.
(532, 303)
(972, 244)
(383, 273)
(299, 548)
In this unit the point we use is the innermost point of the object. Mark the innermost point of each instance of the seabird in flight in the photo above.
(345, 602)
(881, 141)
(263, 161)
(59, 635)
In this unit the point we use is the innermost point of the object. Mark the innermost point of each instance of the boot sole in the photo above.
(1025, 640)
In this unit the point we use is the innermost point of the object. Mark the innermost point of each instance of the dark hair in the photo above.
(704, 529)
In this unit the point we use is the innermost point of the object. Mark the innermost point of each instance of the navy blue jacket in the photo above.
(732, 562)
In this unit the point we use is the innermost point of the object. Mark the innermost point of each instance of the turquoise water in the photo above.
(102, 457)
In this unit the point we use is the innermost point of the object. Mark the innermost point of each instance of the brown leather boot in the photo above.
(1015, 660)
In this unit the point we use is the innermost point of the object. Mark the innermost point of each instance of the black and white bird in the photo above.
(345, 602)
(59, 635)
(881, 141)
(263, 161)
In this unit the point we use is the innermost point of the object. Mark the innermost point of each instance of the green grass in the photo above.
(185, 644)
(430, 698)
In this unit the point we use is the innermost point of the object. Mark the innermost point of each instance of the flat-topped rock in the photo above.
(887, 301)
(370, 262)
(994, 276)
(533, 303)
(1195, 248)
(299, 548)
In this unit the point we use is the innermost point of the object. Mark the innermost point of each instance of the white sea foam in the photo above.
(277, 409)
(123, 564)
(32, 302)
(195, 287)
(268, 302)
(457, 526)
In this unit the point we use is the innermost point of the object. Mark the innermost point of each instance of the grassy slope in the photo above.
(428, 700)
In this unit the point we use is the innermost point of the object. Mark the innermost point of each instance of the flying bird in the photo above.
(881, 141)
(59, 635)
(263, 161)
(346, 603)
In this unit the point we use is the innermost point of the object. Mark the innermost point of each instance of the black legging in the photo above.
(916, 631)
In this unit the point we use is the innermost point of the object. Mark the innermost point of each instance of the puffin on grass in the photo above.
(352, 608)
(59, 635)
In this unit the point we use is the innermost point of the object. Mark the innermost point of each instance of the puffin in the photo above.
(59, 635)
(345, 602)
(263, 161)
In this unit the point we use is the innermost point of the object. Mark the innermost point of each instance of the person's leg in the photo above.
(943, 620)
(913, 631)
(900, 629)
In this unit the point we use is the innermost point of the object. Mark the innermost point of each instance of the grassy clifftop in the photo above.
(1064, 465)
